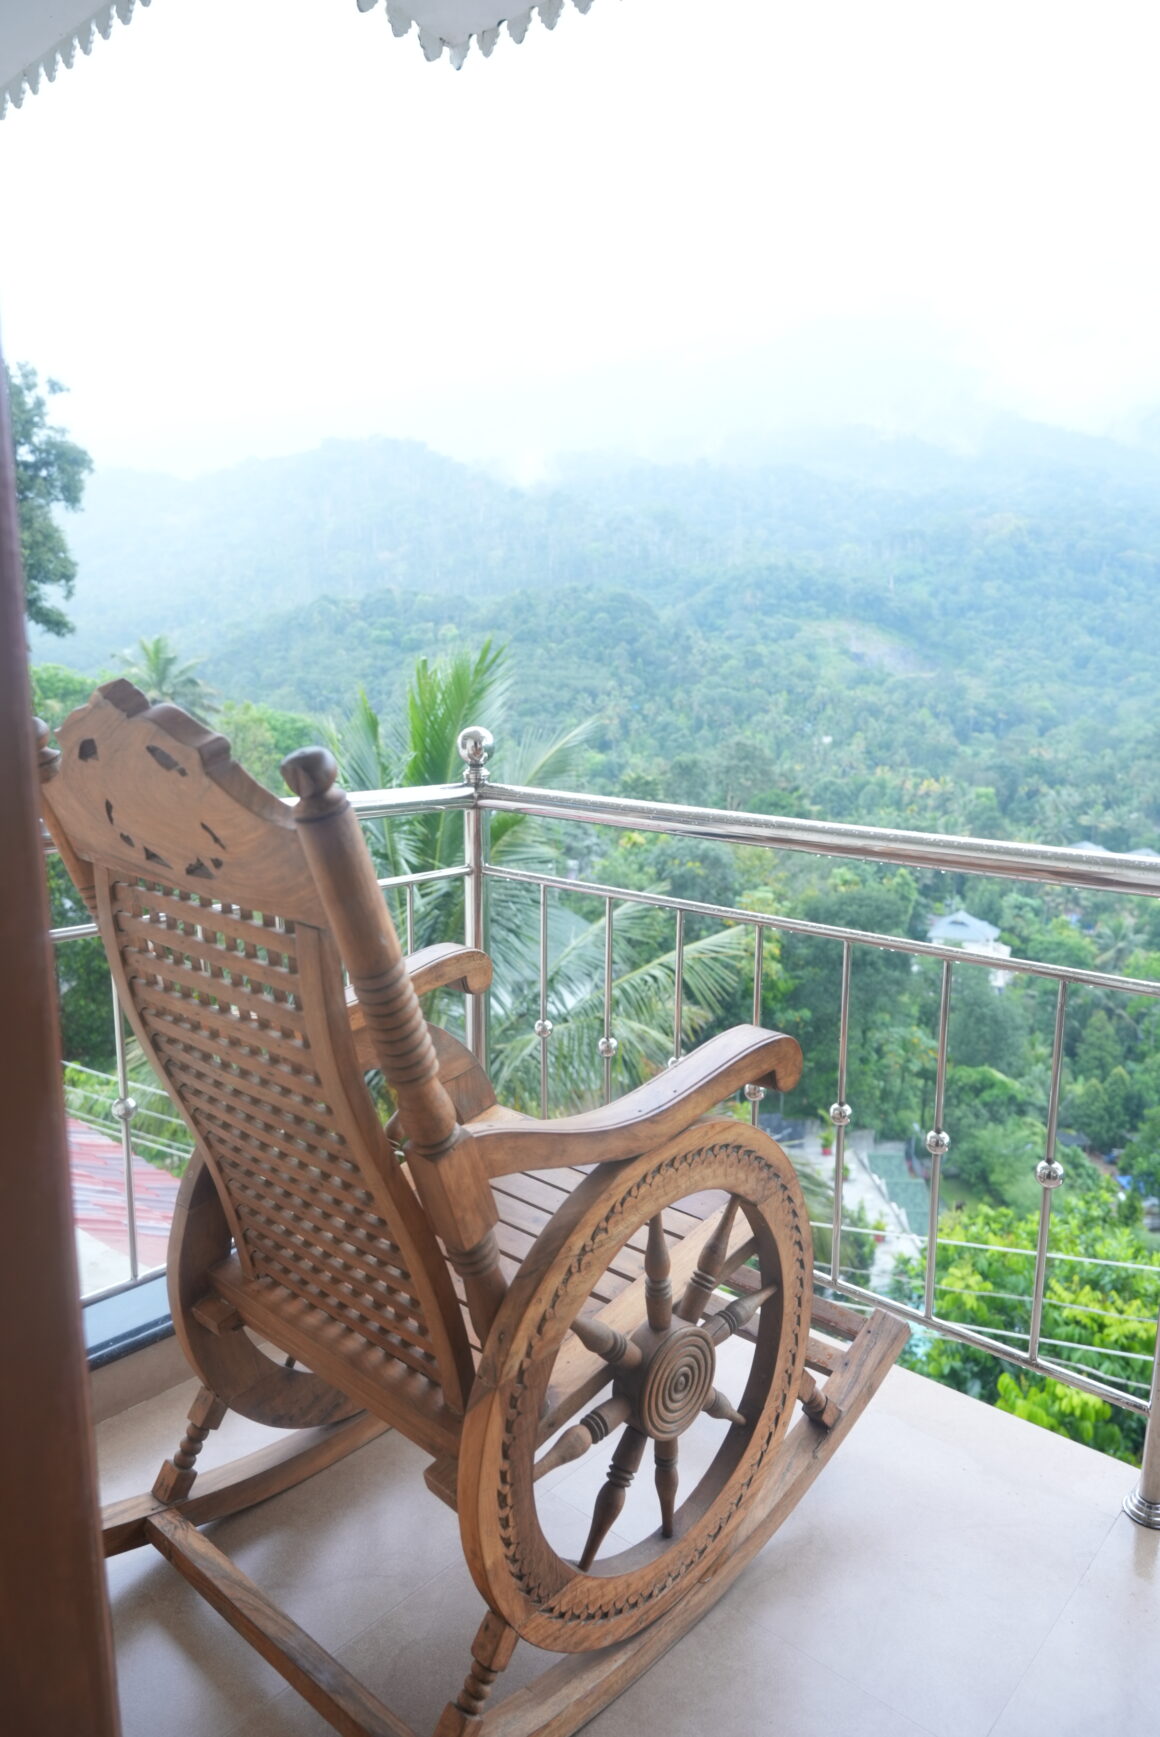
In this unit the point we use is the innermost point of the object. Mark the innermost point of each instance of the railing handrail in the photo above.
(1109, 871)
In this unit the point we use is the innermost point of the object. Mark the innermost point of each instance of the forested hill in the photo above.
(858, 627)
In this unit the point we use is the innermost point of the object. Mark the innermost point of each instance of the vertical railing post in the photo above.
(678, 989)
(1143, 1504)
(938, 1142)
(756, 1093)
(607, 1045)
(124, 1108)
(1049, 1175)
(841, 1114)
(543, 1027)
(475, 744)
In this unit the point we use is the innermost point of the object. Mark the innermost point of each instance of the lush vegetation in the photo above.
(880, 634)
(50, 471)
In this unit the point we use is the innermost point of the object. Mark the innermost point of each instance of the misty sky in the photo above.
(242, 226)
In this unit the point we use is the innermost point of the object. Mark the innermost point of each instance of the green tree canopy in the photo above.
(155, 666)
(50, 471)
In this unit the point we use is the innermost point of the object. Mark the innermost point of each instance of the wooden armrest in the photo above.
(442, 966)
(656, 1111)
(446, 965)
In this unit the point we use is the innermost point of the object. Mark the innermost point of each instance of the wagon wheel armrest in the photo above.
(443, 966)
(656, 1111)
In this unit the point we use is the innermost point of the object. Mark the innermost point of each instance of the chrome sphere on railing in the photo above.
(1049, 1172)
(841, 1115)
(755, 1093)
(543, 1028)
(938, 1143)
(474, 744)
(608, 1047)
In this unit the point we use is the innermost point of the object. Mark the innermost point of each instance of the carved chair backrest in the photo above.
(228, 960)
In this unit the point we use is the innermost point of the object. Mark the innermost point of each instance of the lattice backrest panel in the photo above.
(224, 963)
(217, 990)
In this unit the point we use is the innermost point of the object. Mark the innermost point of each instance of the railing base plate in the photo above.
(1145, 1513)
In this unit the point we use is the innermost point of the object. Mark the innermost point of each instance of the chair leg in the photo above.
(175, 1479)
(491, 1652)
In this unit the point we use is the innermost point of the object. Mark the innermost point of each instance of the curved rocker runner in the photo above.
(254, 955)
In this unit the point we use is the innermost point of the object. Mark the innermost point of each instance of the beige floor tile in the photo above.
(732, 1678)
(936, 1552)
(952, 1567)
(1096, 1671)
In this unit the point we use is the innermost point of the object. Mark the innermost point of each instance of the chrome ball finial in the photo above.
(1049, 1172)
(755, 1093)
(474, 745)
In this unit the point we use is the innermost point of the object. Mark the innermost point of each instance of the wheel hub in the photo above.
(672, 1385)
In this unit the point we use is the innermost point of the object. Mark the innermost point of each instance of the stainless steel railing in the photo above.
(1107, 872)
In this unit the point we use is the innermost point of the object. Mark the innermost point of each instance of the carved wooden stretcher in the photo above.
(507, 1293)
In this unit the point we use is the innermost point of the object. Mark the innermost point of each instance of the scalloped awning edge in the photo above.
(45, 63)
(451, 25)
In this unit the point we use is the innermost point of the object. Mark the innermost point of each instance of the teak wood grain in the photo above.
(470, 1276)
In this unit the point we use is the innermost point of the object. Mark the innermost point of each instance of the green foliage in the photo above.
(85, 994)
(57, 691)
(155, 667)
(1065, 1411)
(158, 1134)
(1099, 1309)
(50, 471)
(417, 746)
(1141, 1159)
(889, 1053)
(261, 737)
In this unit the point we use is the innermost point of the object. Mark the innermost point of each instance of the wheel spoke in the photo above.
(737, 1314)
(718, 1406)
(606, 1342)
(658, 1286)
(665, 1455)
(598, 1424)
(610, 1500)
(707, 1272)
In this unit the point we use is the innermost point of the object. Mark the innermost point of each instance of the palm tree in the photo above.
(156, 668)
(418, 746)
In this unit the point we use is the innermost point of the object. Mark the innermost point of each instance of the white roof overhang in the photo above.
(38, 37)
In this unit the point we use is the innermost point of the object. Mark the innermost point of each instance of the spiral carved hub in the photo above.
(673, 1384)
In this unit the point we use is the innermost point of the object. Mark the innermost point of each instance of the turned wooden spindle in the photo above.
(175, 1479)
(815, 1404)
(707, 1272)
(718, 1406)
(595, 1427)
(491, 1653)
(607, 1342)
(658, 1286)
(446, 1175)
(609, 1502)
(665, 1457)
(737, 1314)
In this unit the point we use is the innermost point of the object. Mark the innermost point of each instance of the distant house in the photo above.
(960, 929)
(1144, 851)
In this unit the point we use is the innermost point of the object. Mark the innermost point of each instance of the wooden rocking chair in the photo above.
(391, 1268)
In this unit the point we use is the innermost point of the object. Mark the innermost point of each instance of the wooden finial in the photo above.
(47, 759)
(311, 774)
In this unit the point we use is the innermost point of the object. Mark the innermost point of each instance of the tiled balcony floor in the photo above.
(954, 1572)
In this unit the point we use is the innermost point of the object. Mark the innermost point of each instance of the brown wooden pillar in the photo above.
(56, 1671)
